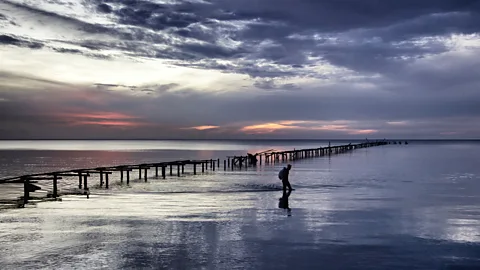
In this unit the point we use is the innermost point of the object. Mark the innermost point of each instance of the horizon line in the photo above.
(246, 139)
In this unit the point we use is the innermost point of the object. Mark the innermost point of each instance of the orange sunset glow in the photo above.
(114, 119)
(293, 125)
(266, 128)
(110, 123)
(99, 115)
(203, 127)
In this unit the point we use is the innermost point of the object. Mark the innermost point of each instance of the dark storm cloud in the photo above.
(104, 8)
(10, 40)
(64, 50)
(343, 15)
(376, 56)
(154, 16)
(369, 35)
(272, 85)
(428, 25)
(381, 23)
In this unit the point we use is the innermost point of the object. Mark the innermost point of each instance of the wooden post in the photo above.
(85, 183)
(101, 178)
(156, 171)
(26, 193)
(178, 170)
(145, 174)
(183, 168)
(213, 165)
(55, 189)
(121, 176)
(128, 177)
(194, 168)
(228, 162)
(106, 180)
(171, 170)
(224, 165)
(79, 180)
(139, 172)
(163, 172)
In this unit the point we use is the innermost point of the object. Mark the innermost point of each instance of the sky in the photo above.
(230, 69)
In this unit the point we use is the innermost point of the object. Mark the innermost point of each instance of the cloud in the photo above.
(269, 84)
(105, 8)
(368, 37)
(10, 40)
(339, 110)
(230, 68)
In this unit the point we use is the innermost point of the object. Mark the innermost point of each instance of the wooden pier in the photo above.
(172, 168)
(104, 173)
(273, 156)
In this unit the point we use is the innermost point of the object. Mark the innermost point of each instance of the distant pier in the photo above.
(273, 156)
(173, 168)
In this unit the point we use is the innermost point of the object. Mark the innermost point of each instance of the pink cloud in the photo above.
(99, 115)
(101, 118)
(110, 123)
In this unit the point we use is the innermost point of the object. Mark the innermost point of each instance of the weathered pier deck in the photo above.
(231, 163)
(103, 173)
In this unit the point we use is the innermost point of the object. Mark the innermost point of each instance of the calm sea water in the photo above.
(392, 207)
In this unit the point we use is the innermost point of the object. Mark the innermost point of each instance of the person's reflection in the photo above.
(283, 201)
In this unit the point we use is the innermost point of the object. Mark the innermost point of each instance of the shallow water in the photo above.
(393, 207)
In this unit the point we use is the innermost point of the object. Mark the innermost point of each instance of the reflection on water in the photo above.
(283, 202)
(393, 207)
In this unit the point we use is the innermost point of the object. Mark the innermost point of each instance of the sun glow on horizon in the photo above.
(266, 128)
(203, 127)
(305, 126)
(110, 123)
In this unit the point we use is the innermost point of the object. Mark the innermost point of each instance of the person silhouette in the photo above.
(283, 175)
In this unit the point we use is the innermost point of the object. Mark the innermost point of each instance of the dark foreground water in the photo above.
(410, 206)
